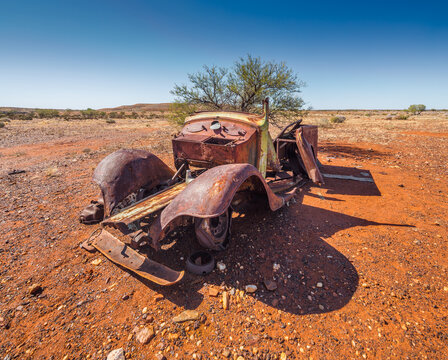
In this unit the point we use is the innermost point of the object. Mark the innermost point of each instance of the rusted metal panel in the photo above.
(307, 155)
(211, 193)
(122, 254)
(230, 143)
(146, 206)
(126, 171)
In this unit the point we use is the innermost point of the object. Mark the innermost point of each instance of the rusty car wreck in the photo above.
(221, 159)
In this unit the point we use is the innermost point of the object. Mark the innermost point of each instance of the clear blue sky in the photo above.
(351, 54)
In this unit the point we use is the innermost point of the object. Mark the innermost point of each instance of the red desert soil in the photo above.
(360, 267)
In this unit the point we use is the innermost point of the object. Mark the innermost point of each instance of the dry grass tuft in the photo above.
(52, 172)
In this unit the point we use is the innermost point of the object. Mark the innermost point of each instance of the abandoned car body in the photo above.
(221, 158)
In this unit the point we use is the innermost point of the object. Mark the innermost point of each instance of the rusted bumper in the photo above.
(123, 255)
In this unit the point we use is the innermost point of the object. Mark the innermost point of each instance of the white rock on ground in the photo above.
(117, 354)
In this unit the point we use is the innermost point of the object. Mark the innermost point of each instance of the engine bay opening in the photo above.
(217, 141)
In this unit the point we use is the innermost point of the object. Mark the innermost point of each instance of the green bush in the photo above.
(337, 119)
(90, 114)
(47, 113)
(402, 117)
(2, 124)
(416, 109)
(179, 111)
(110, 121)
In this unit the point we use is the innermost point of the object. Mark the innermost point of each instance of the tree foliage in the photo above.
(243, 87)
(416, 109)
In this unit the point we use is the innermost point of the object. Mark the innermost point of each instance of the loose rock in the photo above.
(35, 289)
(117, 354)
(145, 335)
(213, 291)
(187, 315)
(270, 285)
(225, 300)
(251, 288)
(96, 261)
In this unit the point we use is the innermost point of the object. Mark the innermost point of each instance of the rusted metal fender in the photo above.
(126, 171)
(211, 193)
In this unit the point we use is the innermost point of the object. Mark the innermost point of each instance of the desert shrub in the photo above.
(324, 123)
(110, 121)
(52, 171)
(337, 119)
(402, 117)
(89, 114)
(113, 114)
(179, 111)
(5, 119)
(134, 115)
(416, 109)
(47, 113)
(27, 116)
(2, 124)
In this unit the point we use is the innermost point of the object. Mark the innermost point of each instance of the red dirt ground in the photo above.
(379, 249)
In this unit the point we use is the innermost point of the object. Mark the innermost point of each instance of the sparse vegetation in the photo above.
(47, 113)
(52, 172)
(402, 117)
(416, 109)
(179, 111)
(324, 123)
(337, 119)
(110, 121)
(89, 114)
(2, 124)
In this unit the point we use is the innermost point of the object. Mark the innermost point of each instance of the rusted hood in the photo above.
(125, 171)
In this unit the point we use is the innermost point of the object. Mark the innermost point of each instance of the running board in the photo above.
(145, 207)
(121, 254)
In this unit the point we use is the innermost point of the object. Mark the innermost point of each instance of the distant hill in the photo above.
(140, 107)
(125, 108)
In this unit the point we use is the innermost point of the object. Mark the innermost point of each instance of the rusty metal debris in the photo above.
(221, 158)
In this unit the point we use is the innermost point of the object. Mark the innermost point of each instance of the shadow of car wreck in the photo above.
(285, 246)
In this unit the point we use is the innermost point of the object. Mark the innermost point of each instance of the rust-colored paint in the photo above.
(307, 155)
(145, 207)
(232, 143)
(122, 254)
(126, 171)
(211, 193)
(239, 154)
